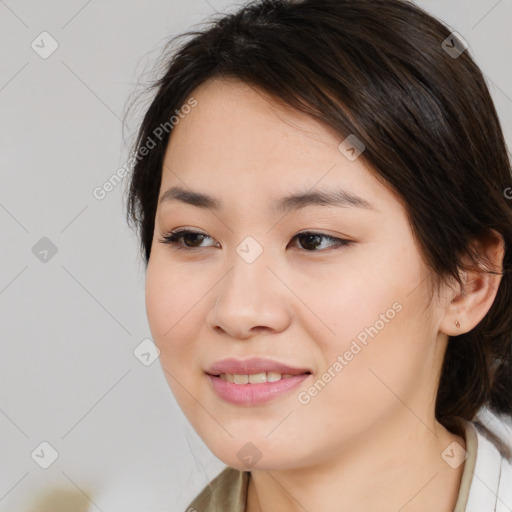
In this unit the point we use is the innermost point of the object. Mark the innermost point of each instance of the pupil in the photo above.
(188, 235)
(310, 238)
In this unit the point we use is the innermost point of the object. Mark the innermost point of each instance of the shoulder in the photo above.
(227, 492)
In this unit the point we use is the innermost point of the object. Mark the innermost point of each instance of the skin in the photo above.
(369, 440)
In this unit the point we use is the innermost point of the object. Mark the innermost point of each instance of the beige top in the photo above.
(228, 491)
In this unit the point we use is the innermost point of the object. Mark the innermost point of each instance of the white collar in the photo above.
(491, 484)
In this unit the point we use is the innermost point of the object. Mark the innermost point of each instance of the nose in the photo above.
(251, 300)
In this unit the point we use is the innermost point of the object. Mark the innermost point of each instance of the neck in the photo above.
(386, 469)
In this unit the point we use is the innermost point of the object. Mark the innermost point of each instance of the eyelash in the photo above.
(172, 239)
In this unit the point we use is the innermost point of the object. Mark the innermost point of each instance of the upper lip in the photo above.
(252, 366)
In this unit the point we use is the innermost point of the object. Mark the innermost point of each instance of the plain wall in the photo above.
(70, 321)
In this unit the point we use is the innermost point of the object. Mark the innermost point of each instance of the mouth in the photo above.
(256, 378)
(256, 368)
(254, 381)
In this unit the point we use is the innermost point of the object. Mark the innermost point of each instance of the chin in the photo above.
(248, 456)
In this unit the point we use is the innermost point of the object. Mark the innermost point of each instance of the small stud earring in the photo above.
(457, 324)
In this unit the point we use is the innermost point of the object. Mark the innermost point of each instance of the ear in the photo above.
(469, 305)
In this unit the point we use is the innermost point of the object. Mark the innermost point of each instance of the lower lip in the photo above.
(254, 394)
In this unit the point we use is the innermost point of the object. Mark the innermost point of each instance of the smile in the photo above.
(254, 378)
(247, 393)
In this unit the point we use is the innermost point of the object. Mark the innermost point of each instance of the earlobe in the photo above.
(480, 287)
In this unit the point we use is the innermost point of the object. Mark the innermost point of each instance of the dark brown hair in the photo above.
(377, 69)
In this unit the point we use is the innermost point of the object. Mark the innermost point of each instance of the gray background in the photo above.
(70, 324)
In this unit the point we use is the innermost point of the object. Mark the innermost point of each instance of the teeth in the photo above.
(241, 379)
(255, 378)
(273, 376)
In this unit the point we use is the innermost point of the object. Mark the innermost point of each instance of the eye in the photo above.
(174, 239)
(313, 239)
(187, 240)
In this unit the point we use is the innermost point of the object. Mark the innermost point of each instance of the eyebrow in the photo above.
(339, 198)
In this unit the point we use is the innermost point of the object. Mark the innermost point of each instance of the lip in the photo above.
(253, 394)
(252, 366)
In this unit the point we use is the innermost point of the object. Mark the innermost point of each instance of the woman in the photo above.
(321, 190)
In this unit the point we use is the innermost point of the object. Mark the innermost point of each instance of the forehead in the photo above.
(233, 116)
(238, 142)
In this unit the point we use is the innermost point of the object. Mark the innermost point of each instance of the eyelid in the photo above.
(338, 241)
(182, 231)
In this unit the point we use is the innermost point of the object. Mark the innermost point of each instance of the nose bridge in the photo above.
(250, 295)
(249, 269)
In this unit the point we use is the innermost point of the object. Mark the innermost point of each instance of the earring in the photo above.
(457, 324)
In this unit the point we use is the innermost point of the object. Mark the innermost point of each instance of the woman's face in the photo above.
(355, 316)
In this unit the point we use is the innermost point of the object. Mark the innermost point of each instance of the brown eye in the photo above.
(184, 239)
(190, 239)
(310, 241)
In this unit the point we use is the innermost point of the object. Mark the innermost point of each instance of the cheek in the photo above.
(173, 315)
(159, 301)
(171, 306)
(343, 303)
(366, 367)
(372, 319)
